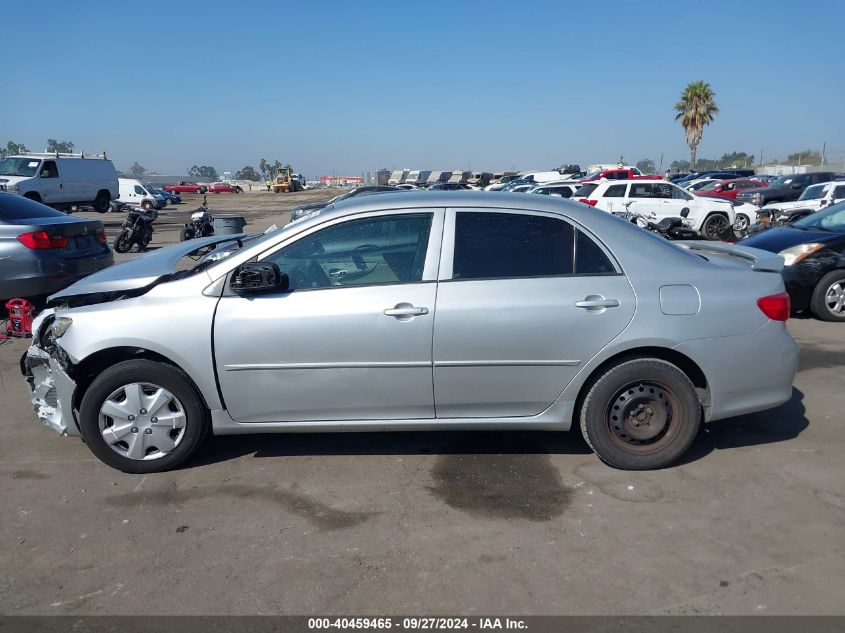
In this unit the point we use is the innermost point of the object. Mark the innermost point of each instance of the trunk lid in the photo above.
(82, 236)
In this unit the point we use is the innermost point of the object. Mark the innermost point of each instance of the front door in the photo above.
(350, 340)
(51, 183)
(525, 300)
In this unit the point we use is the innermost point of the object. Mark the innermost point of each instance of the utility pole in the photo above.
(824, 148)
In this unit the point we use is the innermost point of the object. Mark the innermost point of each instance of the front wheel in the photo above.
(142, 416)
(641, 415)
(102, 202)
(828, 300)
(742, 222)
(187, 233)
(715, 227)
(123, 241)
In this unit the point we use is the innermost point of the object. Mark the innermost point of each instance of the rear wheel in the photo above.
(145, 238)
(123, 241)
(207, 230)
(828, 300)
(141, 416)
(715, 227)
(641, 414)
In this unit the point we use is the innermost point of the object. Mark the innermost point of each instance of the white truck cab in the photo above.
(61, 180)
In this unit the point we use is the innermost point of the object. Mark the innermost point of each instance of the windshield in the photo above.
(814, 193)
(592, 174)
(708, 186)
(831, 219)
(782, 181)
(19, 166)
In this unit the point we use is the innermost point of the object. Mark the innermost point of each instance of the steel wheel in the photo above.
(834, 299)
(742, 222)
(642, 417)
(142, 421)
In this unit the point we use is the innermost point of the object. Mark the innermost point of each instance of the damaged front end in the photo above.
(45, 366)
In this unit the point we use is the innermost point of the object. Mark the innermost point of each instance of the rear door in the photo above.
(525, 299)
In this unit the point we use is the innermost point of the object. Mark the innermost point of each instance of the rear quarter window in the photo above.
(585, 190)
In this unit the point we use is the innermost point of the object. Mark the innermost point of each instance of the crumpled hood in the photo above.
(795, 204)
(141, 271)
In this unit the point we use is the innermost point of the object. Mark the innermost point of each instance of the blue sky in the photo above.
(346, 87)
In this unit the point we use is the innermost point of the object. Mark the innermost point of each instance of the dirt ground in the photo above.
(751, 522)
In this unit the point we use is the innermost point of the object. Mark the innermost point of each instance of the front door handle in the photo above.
(596, 302)
(405, 310)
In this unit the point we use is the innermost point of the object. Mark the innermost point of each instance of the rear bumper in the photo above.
(746, 373)
(43, 276)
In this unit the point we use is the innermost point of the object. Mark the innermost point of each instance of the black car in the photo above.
(814, 252)
(785, 188)
(449, 186)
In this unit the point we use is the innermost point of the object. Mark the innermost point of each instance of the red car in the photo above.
(185, 187)
(224, 187)
(618, 174)
(728, 188)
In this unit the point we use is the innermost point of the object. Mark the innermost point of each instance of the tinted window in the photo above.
(139, 190)
(643, 190)
(49, 170)
(679, 194)
(615, 191)
(14, 208)
(589, 258)
(565, 192)
(382, 250)
(839, 192)
(503, 245)
(585, 190)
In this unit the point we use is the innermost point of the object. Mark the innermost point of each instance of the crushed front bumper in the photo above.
(51, 390)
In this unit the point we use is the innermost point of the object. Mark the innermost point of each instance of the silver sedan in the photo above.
(420, 311)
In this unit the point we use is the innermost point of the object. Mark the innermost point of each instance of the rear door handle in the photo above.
(597, 302)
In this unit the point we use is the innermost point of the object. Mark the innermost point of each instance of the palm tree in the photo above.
(696, 109)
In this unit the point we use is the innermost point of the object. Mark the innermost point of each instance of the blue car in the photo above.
(170, 198)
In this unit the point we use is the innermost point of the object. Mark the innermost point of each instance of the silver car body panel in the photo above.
(509, 353)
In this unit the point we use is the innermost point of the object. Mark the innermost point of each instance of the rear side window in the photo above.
(643, 190)
(585, 190)
(615, 191)
(14, 208)
(508, 245)
(589, 258)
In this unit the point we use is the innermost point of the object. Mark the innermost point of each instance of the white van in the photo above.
(133, 193)
(398, 177)
(541, 176)
(61, 180)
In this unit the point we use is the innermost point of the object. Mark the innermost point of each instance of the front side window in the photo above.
(381, 250)
(139, 190)
(643, 190)
(679, 194)
(839, 192)
(49, 170)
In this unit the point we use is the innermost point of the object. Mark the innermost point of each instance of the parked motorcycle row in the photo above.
(137, 227)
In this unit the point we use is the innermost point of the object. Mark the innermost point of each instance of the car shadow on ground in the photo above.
(768, 427)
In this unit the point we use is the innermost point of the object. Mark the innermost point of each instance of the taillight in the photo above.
(776, 307)
(40, 240)
(592, 203)
(101, 236)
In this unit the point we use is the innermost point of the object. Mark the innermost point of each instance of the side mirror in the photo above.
(258, 277)
(684, 213)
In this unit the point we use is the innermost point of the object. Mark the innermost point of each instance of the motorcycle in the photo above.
(671, 228)
(137, 228)
(200, 225)
(770, 218)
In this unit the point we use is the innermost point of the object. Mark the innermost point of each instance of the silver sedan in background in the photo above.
(43, 250)
(420, 311)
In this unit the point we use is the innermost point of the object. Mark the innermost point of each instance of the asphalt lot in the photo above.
(431, 523)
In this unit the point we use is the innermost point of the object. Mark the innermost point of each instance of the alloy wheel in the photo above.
(834, 298)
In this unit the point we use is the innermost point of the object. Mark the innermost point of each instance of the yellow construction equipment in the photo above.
(284, 181)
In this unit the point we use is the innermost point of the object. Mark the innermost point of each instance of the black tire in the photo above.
(639, 393)
(102, 202)
(123, 241)
(820, 302)
(32, 196)
(144, 239)
(167, 376)
(207, 230)
(187, 233)
(715, 227)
